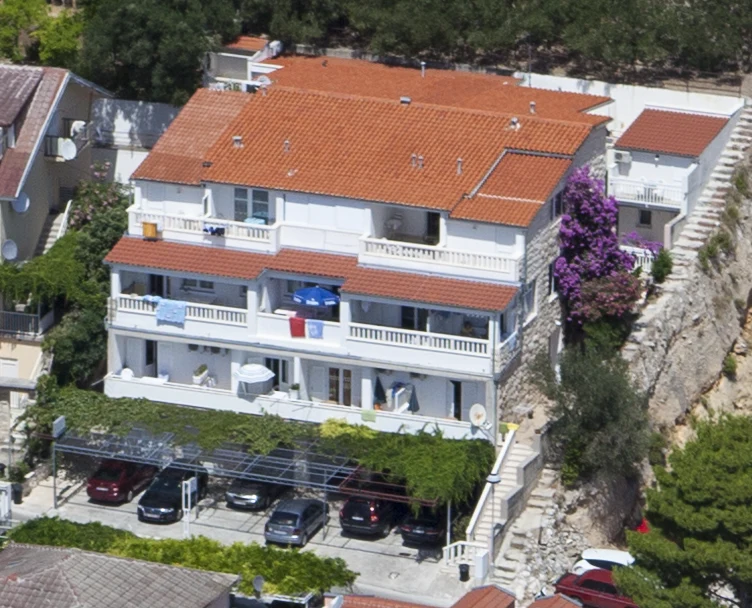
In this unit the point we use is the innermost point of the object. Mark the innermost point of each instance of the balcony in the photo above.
(191, 229)
(668, 196)
(427, 258)
(201, 320)
(25, 325)
(280, 404)
(274, 329)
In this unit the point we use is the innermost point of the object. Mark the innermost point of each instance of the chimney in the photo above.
(414, 160)
(459, 166)
(420, 162)
(514, 123)
(287, 146)
(532, 107)
(405, 100)
(263, 90)
(422, 69)
(237, 141)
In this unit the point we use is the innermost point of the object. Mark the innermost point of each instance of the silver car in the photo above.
(293, 522)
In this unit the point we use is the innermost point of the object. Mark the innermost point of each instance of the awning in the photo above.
(251, 373)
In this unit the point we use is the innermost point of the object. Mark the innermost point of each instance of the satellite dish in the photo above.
(478, 415)
(264, 80)
(77, 127)
(68, 149)
(9, 250)
(258, 583)
(21, 204)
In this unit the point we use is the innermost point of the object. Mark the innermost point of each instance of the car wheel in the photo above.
(304, 540)
(129, 496)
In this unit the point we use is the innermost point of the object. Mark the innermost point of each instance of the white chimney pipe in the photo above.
(423, 69)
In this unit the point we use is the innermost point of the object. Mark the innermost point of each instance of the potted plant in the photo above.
(295, 391)
(201, 374)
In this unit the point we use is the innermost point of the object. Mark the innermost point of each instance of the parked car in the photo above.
(246, 494)
(594, 589)
(605, 559)
(293, 522)
(119, 481)
(361, 515)
(163, 500)
(428, 527)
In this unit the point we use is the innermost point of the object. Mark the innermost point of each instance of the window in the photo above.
(414, 318)
(241, 204)
(260, 206)
(553, 282)
(151, 352)
(530, 309)
(279, 367)
(196, 285)
(646, 218)
(340, 385)
(557, 205)
(7, 139)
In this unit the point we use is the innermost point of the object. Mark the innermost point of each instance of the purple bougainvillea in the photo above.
(590, 251)
(635, 239)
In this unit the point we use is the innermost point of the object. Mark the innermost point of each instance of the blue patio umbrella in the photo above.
(315, 296)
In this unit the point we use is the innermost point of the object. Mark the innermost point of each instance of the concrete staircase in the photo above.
(49, 234)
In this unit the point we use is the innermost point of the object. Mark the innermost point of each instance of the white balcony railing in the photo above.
(196, 225)
(643, 258)
(197, 312)
(667, 195)
(420, 339)
(398, 250)
(506, 351)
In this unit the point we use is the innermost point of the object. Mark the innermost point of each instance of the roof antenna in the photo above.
(420, 162)
(423, 69)
(459, 166)
(287, 145)
(414, 160)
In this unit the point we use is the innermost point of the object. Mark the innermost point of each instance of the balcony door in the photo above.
(433, 228)
(340, 385)
(414, 318)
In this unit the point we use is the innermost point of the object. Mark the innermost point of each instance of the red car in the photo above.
(118, 481)
(594, 588)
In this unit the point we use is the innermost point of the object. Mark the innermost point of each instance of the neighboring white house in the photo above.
(239, 66)
(427, 202)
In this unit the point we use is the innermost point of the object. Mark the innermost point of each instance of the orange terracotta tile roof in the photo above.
(364, 601)
(489, 596)
(363, 148)
(554, 601)
(178, 155)
(253, 44)
(213, 261)
(450, 88)
(676, 133)
(515, 191)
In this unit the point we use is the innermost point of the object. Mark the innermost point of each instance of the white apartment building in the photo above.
(426, 203)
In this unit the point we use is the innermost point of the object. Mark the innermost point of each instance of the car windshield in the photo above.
(107, 474)
(283, 519)
(425, 518)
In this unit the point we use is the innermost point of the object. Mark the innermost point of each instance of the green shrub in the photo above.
(661, 266)
(608, 334)
(729, 366)
(741, 181)
(18, 472)
(657, 445)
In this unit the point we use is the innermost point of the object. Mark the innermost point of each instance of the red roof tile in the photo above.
(363, 148)
(362, 601)
(448, 88)
(676, 133)
(213, 261)
(489, 596)
(248, 43)
(554, 601)
(178, 155)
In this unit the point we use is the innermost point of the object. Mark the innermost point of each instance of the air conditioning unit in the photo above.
(622, 157)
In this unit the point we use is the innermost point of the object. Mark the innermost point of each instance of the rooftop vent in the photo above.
(422, 69)
(206, 164)
(514, 123)
(532, 107)
(414, 160)
(237, 141)
(420, 162)
(405, 100)
(287, 145)
(459, 166)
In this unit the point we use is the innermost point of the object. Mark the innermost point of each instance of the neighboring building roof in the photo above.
(213, 261)
(252, 44)
(449, 88)
(48, 82)
(555, 601)
(676, 133)
(489, 596)
(178, 155)
(515, 191)
(34, 576)
(17, 83)
(369, 601)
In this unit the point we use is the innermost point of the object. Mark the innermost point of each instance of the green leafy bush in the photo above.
(18, 472)
(658, 444)
(729, 366)
(661, 266)
(741, 181)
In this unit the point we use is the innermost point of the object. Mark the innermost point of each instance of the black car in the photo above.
(361, 515)
(428, 527)
(245, 494)
(163, 500)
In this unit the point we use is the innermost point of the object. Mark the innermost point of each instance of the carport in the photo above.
(304, 465)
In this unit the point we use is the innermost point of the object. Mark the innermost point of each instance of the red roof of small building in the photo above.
(554, 601)
(213, 261)
(368, 601)
(254, 44)
(675, 133)
(489, 596)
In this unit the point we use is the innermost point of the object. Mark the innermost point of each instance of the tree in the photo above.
(17, 17)
(59, 40)
(589, 247)
(697, 552)
(600, 419)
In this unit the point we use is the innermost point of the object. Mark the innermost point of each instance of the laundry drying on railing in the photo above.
(168, 311)
(214, 229)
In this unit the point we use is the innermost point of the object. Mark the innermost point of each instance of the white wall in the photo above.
(629, 217)
(326, 212)
(668, 170)
(180, 362)
(484, 238)
(169, 198)
(631, 100)
(123, 123)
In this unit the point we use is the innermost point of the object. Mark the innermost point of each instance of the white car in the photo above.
(605, 559)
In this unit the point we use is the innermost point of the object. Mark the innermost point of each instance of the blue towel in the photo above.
(171, 311)
(151, 299)
(315, 328)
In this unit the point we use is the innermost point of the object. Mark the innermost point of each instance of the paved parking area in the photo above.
(386, 567)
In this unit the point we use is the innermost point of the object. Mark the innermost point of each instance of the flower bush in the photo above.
(96, 195)
(590, 250)
(634, 239)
